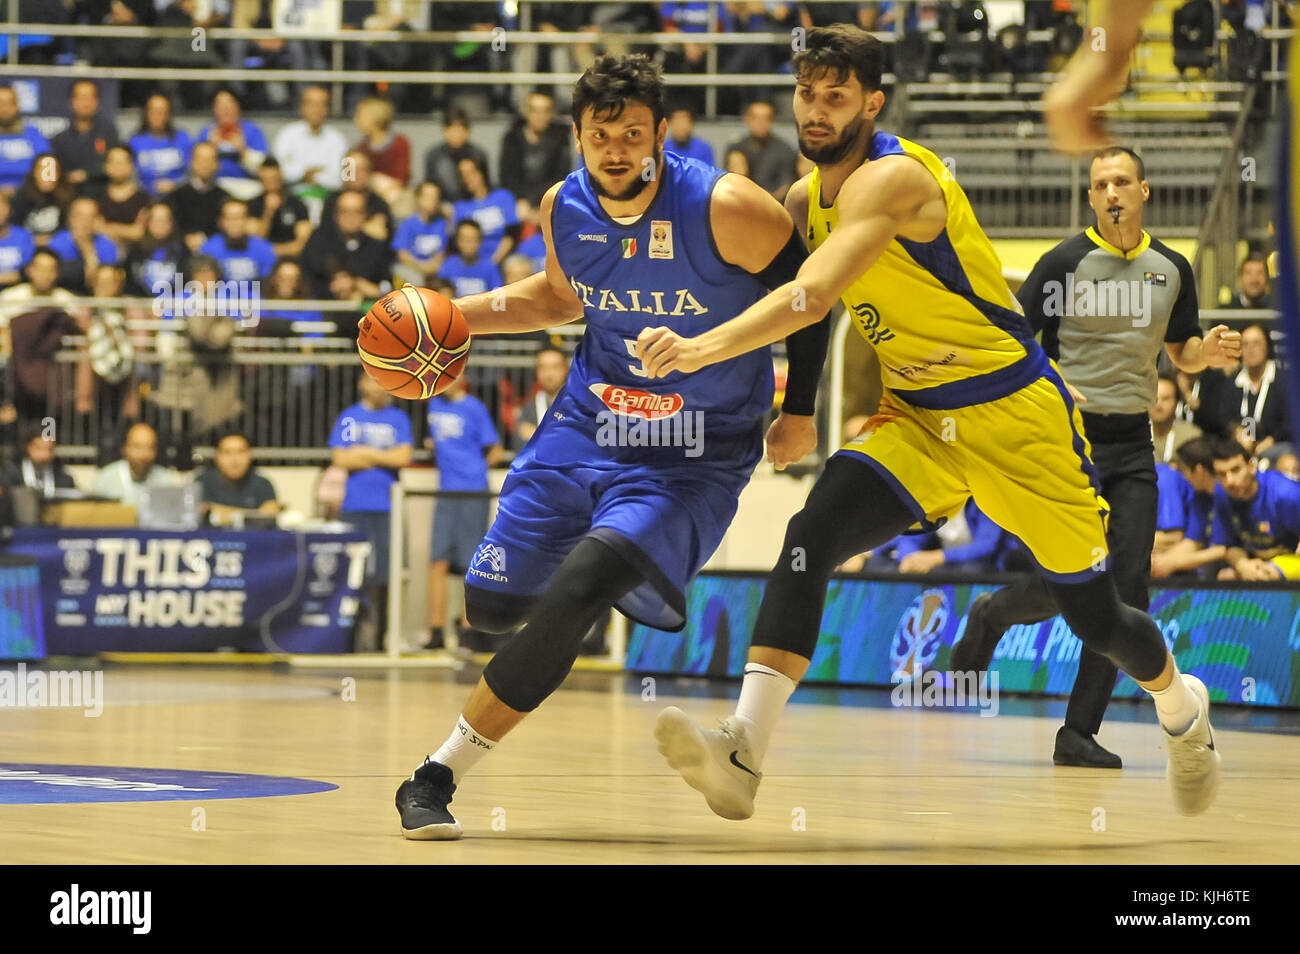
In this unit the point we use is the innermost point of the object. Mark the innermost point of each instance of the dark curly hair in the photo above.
(840, 50)
(612, 82)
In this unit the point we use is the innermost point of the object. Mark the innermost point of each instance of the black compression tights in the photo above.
(852, 509)
(532, 665)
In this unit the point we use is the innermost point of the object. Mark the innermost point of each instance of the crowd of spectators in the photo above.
(314, 211)
(324, 211)
(611, 20)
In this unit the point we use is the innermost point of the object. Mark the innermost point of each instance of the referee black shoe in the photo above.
(422, 802)
(974, 651)
(1075, 748)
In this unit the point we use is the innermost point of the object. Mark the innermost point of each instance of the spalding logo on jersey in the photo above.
(634, 403)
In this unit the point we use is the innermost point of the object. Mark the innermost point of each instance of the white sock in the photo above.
(462, 750)
(763, 695)
(1176, 705)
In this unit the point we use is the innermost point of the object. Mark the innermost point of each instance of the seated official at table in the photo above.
(124, 479)
(38, 469)
(230, 485)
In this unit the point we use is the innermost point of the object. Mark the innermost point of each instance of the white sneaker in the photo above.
(712, 761)
(1194, 763)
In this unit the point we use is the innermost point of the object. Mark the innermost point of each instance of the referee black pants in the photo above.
(1128, 482)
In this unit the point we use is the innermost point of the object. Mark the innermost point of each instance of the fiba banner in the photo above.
(1243, 643)
(137, 591)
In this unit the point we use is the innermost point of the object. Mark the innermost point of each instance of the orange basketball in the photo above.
(414, 342)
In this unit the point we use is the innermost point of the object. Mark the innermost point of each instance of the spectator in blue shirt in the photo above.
(16, 247)
(82, 247)
(244, 257)
(469, 271)
(241, 145)
(533, 248)
(985, 553)
(372, 441)
(162, 152)
(1256, 516)
(1185, 511)
(465, 444)
(681, 136)
(421, 239)
(20, 143)
(493, 209)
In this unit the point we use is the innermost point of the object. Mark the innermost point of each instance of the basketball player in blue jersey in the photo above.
(973, 408)
(628, 484)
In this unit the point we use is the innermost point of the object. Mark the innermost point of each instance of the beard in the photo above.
(634, 188)
(827, 153)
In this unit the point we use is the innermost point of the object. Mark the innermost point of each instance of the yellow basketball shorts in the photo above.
(1022, 457)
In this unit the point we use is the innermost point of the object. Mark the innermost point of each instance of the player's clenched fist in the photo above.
(663, 351)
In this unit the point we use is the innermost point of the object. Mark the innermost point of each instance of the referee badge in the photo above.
(661, 239)
(1154, 278)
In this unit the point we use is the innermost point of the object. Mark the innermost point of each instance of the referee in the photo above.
(1105, 301)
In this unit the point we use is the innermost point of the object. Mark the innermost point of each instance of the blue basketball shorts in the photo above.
(663, 511)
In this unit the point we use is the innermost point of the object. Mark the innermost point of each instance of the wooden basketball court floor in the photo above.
(849, 778)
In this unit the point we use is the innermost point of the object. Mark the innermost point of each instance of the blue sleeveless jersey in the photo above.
(662, 270)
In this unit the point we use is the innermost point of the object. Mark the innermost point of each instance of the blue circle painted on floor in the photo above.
(30, 784)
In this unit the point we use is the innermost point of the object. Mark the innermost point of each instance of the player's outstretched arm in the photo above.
(876, 202)
(540, 301)
(753, 231)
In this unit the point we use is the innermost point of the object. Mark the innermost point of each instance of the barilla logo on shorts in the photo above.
(636, 403)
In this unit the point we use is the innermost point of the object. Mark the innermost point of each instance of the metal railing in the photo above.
(508, 40)
(283, 389)
(1220, 230)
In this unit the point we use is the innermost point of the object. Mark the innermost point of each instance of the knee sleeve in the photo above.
(496, 612)
(534, 663)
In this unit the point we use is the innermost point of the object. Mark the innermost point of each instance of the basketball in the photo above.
(414, 342)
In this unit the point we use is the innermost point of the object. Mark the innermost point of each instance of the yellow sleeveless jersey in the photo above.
(948, 331)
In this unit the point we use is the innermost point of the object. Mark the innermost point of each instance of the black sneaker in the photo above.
(422, 801)
(974, 651)
(1075, 748)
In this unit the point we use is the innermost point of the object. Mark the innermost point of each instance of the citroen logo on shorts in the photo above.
(493, 557)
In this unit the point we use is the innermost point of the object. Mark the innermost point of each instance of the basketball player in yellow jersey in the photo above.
(973, 407)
